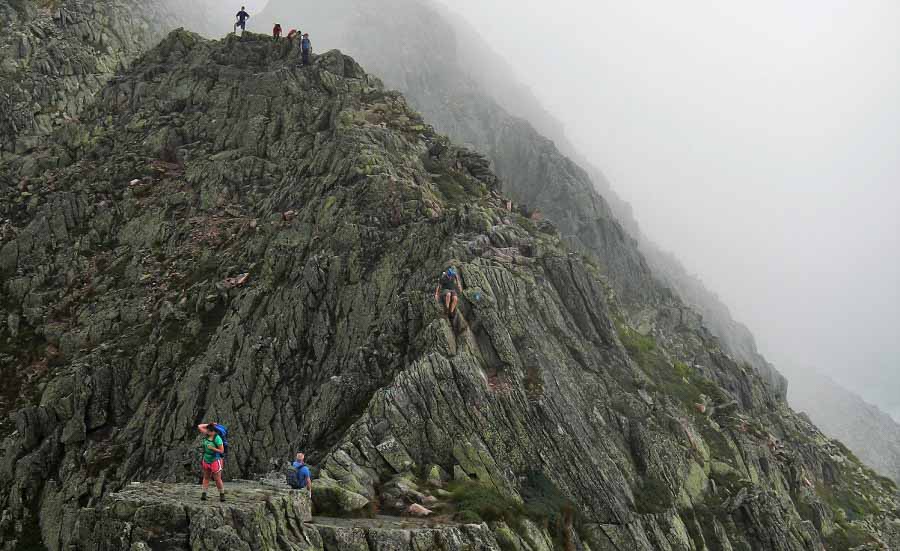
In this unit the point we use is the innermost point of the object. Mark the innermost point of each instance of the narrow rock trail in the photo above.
(255, 516)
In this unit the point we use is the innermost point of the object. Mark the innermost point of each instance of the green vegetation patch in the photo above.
(653, 496)
(847, 536)
(459, 190)
(841, 498)
(677, 380)
(543, 504)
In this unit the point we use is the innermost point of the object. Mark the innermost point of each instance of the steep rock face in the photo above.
(57, 55)
(416, 48)
(735, 337)
(224, 235)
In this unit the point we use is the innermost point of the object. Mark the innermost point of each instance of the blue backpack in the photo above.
(222, 431)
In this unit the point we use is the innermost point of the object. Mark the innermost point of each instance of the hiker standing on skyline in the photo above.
(242, 17)
(211, 464)
(305, 48)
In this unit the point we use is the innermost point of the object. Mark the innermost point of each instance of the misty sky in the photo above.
(759, 142)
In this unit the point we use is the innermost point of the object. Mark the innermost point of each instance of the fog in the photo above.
(759, 142)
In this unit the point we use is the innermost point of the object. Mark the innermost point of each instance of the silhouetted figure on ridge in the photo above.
(305, 48)
(242, 17)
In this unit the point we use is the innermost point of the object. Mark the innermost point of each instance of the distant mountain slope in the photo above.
(871, 433)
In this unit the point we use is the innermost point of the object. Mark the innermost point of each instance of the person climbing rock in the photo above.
(305, 48)
(211, 464)
(300, 478)
(276, 31)
(448, 288)
(242, 17)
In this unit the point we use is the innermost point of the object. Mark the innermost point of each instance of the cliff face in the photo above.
(55, 55)
(224, 235)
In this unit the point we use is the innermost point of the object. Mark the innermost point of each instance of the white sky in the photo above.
(758, 141)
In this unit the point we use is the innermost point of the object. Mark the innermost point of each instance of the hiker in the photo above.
(242, 17)
(291, 34)
(276, 31)
(212, 463)
(300, 478)
(305, 48)
(448, 288)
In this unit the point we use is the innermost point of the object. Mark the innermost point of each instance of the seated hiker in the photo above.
(211, 464)
(276, 31)
(242, 17)
(305, 48)
(448, 288)
(300, 478)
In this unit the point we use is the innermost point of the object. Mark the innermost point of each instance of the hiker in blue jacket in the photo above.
(305, 48)
(301, 478)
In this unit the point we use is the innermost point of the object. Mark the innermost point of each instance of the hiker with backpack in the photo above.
(276, 31)
(300, 478)
(305, 48)
(448, 288)
(212, 463)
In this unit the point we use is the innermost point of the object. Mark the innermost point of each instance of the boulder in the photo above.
(329, 497)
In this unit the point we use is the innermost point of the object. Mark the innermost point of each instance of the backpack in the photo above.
(222, 431)
(294, 479)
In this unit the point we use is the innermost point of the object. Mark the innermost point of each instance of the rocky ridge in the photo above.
(225, 235)
(57, 55)
(426, 53)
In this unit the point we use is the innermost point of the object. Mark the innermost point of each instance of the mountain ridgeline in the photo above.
(449, 74)
(220, 234)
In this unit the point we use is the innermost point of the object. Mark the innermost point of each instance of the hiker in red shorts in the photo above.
(211, 464)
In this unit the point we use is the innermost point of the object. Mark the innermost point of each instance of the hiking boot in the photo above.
(222, 498)
(203, 497)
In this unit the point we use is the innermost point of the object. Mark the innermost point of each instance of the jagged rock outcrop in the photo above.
(55, 55)
(225, 235)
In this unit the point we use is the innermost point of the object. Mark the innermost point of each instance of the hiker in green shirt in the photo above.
(211, 464)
